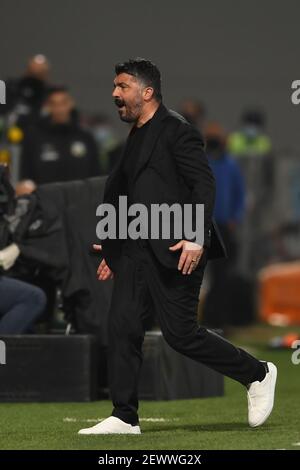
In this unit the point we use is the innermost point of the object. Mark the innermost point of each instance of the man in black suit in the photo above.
(163, 162)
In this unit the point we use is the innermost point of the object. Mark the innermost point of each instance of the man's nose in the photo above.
(115, 93)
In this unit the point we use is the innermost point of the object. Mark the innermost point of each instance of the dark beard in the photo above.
(128, 119)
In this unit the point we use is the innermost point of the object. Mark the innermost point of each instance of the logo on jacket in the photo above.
(49, 153)
(78, 149)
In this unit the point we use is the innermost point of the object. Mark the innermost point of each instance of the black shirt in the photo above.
(132, 153)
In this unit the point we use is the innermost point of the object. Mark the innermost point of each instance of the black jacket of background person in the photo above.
(54, 228)
(172, 168)
(53, 153)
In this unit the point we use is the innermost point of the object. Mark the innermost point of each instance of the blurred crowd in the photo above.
(59, 142)
(46, 138)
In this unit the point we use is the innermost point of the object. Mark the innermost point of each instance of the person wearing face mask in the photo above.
(194, 111)
(228, 213)
(250, 140)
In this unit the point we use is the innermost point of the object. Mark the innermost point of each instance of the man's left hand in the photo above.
(190, 256)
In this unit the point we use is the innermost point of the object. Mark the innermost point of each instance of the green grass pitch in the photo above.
(214, 423)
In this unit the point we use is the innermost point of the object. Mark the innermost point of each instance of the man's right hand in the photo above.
(104, 273)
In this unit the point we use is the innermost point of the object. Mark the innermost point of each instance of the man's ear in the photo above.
(148, 93)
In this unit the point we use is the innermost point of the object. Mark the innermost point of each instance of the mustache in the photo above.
(119, 102)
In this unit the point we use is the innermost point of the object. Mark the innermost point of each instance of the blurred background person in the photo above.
(228, 213)
(25, 95)
(194, 112)
(21, 304)
(107, 141)
(24, 98)
(59, 149)
(250, 139)
(252, 149)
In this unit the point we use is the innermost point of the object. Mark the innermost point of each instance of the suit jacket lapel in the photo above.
(155, 127)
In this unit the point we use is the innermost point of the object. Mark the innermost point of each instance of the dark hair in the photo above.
(254, 116)
(145, 71)
(56, 89)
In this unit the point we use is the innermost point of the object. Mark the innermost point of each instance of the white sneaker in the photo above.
(261, 397)
(111, 425)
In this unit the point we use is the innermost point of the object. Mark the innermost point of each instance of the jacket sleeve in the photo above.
(193, 167)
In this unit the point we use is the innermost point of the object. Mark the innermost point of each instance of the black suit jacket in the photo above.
(172, 167)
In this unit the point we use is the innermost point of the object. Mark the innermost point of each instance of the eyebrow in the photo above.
(120, 84)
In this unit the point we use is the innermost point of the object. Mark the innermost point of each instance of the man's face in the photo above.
(59, 106)
(128, 95)
(215, 147)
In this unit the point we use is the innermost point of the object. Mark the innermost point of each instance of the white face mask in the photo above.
(251, 131)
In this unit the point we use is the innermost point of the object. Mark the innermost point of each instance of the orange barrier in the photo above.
(279, 294)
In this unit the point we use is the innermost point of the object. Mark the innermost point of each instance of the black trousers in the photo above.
(142, 283)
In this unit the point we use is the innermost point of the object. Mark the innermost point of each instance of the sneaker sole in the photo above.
(136, 430)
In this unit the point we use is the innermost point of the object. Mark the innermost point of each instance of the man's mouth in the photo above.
(120, 104)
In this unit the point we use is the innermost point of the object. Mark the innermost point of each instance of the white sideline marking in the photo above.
(96, 420)
(296, 444)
